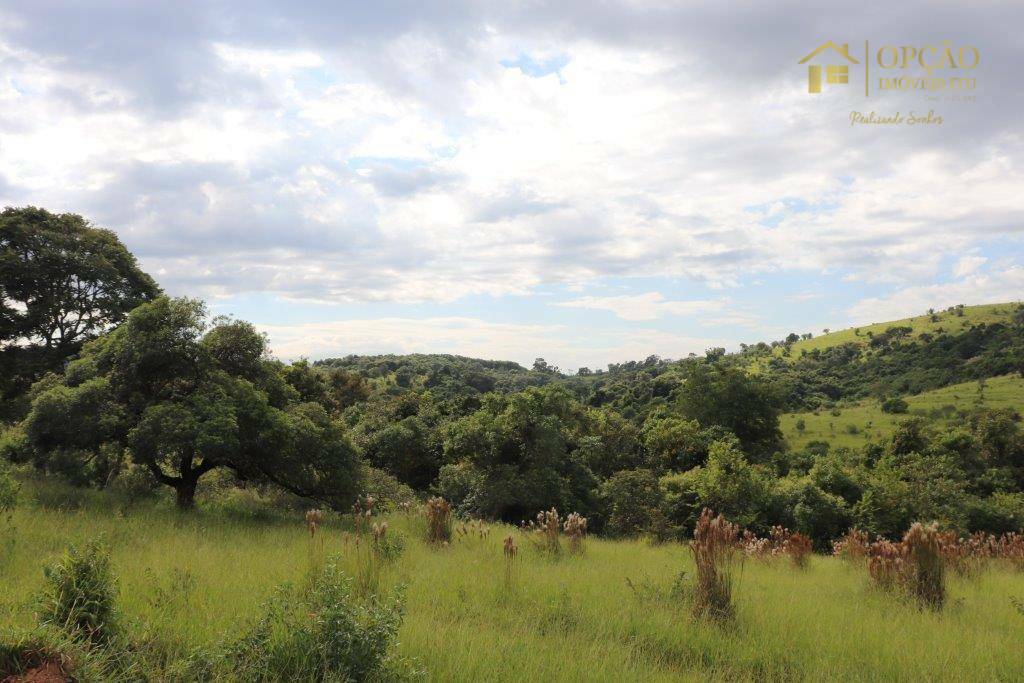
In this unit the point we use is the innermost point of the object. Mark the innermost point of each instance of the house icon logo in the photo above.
(834, 73)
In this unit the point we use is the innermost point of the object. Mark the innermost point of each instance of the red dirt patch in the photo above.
(47, 672)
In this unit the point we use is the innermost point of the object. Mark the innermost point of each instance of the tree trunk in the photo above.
(186, 490)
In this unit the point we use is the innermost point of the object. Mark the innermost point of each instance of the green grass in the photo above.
(947, 321)
(194, 581)
(872, 424)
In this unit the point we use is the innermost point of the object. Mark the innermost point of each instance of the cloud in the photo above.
(649, 306)
(481, 339)
(995, 287)
(968, 264)
(430, 152)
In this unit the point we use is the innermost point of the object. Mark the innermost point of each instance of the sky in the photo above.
(585, 182)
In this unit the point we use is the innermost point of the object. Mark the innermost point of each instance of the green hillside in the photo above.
(953, 320)
(865, 422)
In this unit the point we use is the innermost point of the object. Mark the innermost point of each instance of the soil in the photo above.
(47, 672)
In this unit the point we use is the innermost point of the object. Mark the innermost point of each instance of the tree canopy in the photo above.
(181, 399)
(62, 282)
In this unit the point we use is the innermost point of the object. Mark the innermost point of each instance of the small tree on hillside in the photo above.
(181, 400)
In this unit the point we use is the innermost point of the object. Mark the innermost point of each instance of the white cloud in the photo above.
(649, 306)
(628, 162)
(968, 264)
(994, 287)
(267, 151)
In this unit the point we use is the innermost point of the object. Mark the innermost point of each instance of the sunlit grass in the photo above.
(947, 321)
(191, 582)
(872, 424)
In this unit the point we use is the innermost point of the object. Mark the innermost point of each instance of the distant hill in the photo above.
(443, 374)
(864, 421)
(953, 320)
(849, 371)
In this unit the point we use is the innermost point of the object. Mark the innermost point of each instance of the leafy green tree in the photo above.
(674, 443)
(747, 406)
(810, 510)
(62, 282)
(611, 442)
(519, 452)
(728, 484)
(630, 497)
(333, 388)
(181, 400)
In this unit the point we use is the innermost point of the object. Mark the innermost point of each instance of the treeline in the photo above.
(148, 393)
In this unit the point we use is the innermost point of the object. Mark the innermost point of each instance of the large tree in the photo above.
(62, 282)
(180, 400)
(519, 454)
(727, 397)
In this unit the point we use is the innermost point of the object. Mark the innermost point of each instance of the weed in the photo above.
(439, 520)
(926, 574)
(545, 530)
(575, 528)
(78, 598)
(511, 551)
(713, 547)
(362, 511)
(853, 547)
(325, 635)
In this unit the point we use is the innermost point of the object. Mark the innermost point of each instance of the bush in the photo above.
(809, 510)
(439, 520)
(135, 483)
(8, 490)
(630, 496)
(79, 595)
(895, 405)
(14, 445)
(325, 634)
(388, 491)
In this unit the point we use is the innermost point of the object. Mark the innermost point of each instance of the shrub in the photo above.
(389, 492)
(852, 547)
(8, 490)
(325, 634)
(713, 547)
(914, 565)
(811, 511)
(134, 483)
(386, 547)
(630, 495)
(895, 405)
(79, 595)
(798, 547)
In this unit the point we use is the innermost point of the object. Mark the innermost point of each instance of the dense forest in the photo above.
(109, 383)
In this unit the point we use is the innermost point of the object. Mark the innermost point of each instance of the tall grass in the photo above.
(714, 551)
(566, 621)
(439, 520)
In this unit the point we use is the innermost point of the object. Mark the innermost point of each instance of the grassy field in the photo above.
(861, 423)
(188, 582)
(948, 321)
